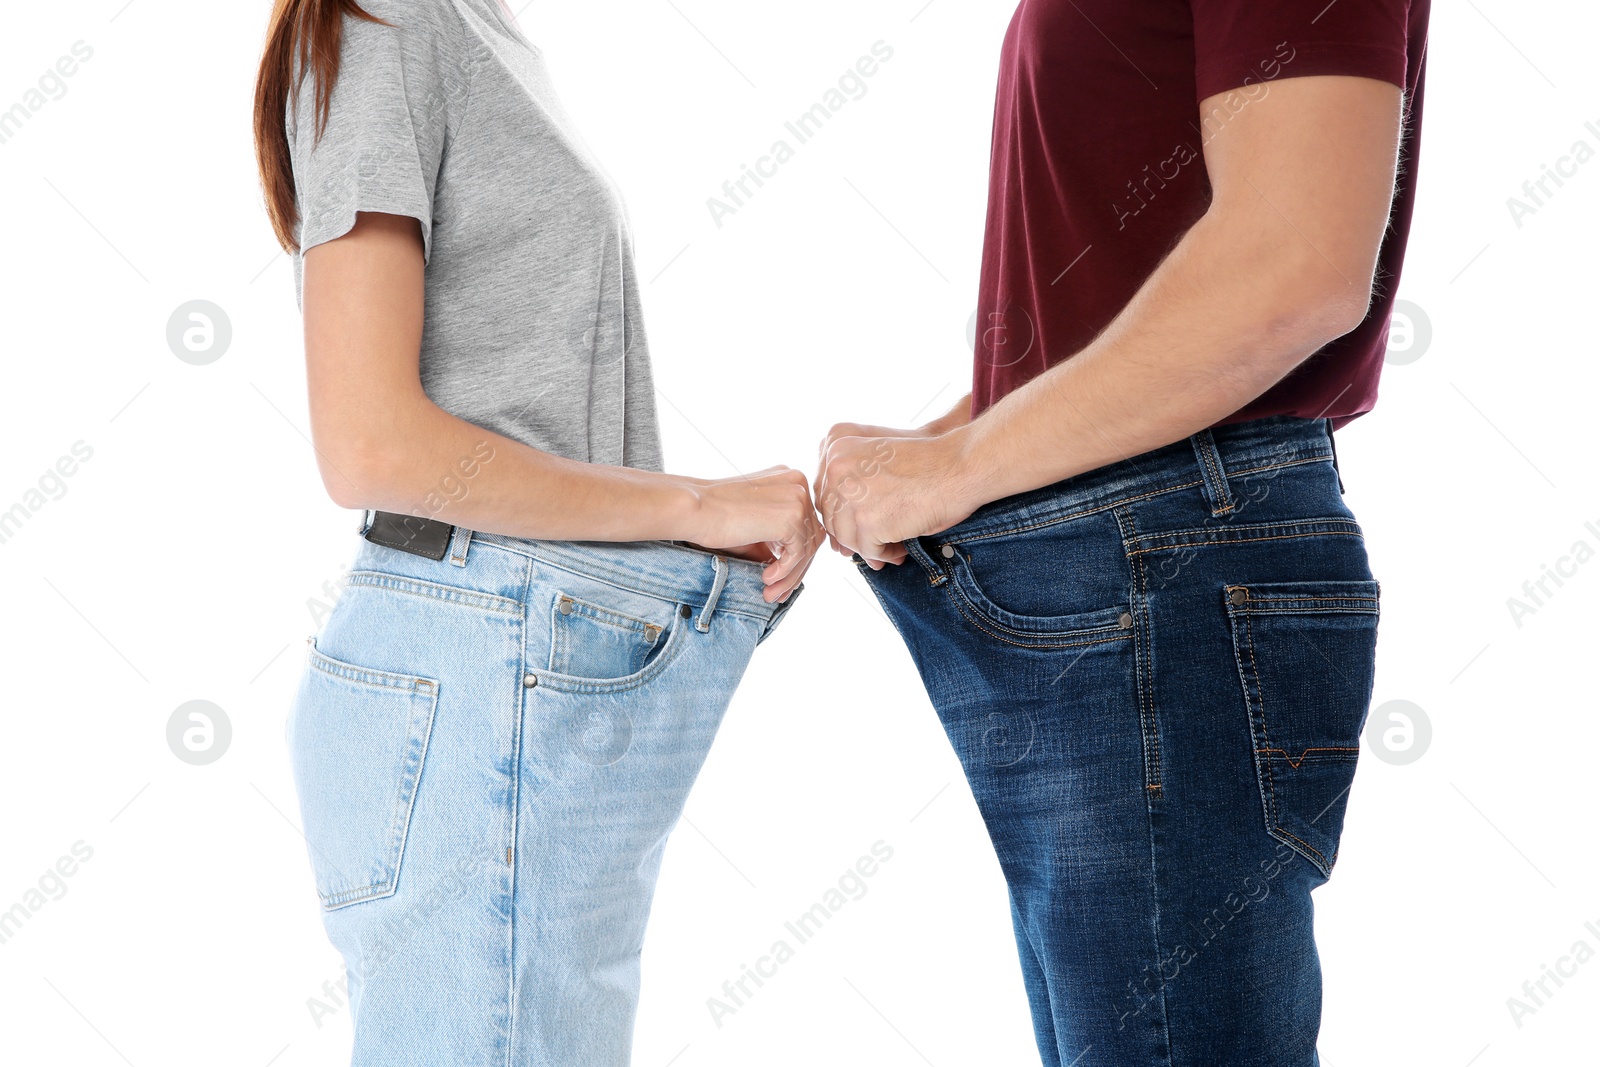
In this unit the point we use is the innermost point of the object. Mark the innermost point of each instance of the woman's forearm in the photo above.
(432, 464)
(416, 459)
(382, 443)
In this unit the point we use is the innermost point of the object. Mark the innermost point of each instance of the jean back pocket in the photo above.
(1306, 654)
(357, 741)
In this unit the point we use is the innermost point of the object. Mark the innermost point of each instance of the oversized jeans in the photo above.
(1155, 676)
(490, 751)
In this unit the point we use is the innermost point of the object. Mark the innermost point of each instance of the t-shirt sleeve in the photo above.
(399, 95)
(1241, 42)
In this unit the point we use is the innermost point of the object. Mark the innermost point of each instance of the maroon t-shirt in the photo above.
(1097, 168)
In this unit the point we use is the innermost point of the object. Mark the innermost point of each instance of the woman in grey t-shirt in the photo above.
(498, 724)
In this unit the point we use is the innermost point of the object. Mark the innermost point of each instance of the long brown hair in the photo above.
(310, 32)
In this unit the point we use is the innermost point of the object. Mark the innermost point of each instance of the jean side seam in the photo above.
(1143, 682)
(1150, 739)
(513, 853)
(1151, 815)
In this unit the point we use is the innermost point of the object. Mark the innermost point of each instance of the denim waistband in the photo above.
(667, 569)
(664, 568)
(1212, 459)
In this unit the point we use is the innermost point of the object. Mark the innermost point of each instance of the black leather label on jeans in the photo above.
(411, 533)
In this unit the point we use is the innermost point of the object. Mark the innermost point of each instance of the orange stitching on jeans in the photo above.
(1312, 524)
(1147, 718)
(1320, 748)
(1042, 644)
(1243, 540)
(1209, 456)
(1301, 598)
(1272, 791)
(1313, 848)
(1146, 696)
(1292, 463)
(1261, 702)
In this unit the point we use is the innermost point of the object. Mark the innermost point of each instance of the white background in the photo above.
(181, 560)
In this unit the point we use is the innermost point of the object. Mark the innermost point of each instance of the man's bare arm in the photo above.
(1281, 263)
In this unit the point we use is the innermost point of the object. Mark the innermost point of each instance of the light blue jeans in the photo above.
(490, 751)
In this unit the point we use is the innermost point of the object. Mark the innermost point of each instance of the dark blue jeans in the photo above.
(1155, 676)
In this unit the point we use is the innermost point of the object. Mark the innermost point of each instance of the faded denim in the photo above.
(490, 751)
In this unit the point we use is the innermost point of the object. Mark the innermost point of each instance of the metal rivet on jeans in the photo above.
(1126, 621)
(1237, 597)
(948, 552)
(566, 607)
(530, 680)
(685, 611)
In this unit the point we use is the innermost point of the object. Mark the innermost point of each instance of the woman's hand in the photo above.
(766, 517)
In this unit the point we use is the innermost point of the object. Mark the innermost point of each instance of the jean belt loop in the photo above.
(1213, 471)
(915, 550)
(460, 538)
(720, 565)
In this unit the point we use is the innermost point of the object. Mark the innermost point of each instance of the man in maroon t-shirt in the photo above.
(1125, 556)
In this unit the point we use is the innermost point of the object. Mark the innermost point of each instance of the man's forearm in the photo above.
(1220, 321)
(959, 415)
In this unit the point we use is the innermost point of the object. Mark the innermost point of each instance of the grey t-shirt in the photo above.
(532, 326)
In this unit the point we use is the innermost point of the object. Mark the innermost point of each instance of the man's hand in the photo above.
(875, 492)
(957, 416)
